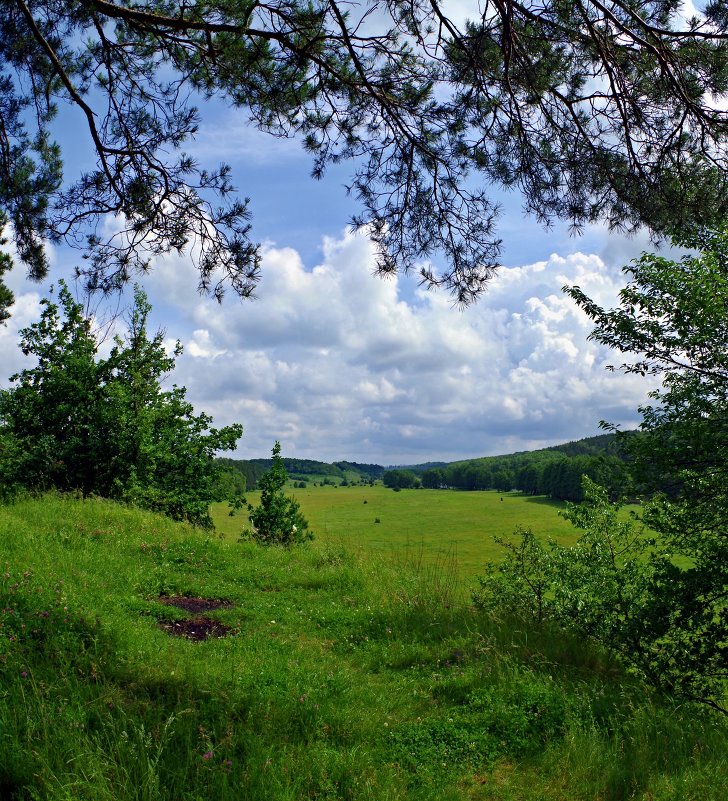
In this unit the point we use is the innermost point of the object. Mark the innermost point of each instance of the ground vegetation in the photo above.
(657, 598)
(329, 675)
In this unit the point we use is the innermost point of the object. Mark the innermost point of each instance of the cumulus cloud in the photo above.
(338, 364)
(25, 310)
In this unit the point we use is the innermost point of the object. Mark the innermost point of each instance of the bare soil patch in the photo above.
(193, 605)
(199, 628)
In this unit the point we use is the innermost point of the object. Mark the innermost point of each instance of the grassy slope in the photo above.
(442, 524)
(348, 678)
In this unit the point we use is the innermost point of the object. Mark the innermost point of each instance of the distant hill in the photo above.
(603, 444)
(597, 456)
(374, 471)
(555, 471)
(599, 445)
(306, 470)
(418, 468)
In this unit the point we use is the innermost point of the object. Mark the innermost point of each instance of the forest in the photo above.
(556, 472)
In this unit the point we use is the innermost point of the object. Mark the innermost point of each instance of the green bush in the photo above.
(608, 587)
(77, 422)
(277, 520)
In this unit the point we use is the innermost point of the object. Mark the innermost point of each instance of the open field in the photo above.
(433, 525)
(344, 677)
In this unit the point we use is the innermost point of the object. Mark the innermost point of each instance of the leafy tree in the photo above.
(400, 479)
(522, 583)
(593, 109)
(661, 603)
(503, 480)
(10, 460)
(277, 520)
(231, 483)
(164, 451)
(672, 318)
(528, 478)
(55, 411)
(434, 478)
(105, 426)
(250, 470)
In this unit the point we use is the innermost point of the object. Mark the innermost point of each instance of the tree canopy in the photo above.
(75, 421)
(657, 595)
(593, 109)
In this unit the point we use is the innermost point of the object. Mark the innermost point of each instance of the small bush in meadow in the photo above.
(277, 520)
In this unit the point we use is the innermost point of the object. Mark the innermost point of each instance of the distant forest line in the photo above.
(556, 471)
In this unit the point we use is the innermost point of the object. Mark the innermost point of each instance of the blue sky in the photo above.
(338, 364)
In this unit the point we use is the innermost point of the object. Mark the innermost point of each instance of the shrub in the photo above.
(277, 520)
(610, 588)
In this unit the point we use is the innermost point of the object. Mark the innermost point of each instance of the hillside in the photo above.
(306, 470)
(556, 472)
(329, 676)
(302, 469)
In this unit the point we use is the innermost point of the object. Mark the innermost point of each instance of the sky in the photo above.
(338, 364)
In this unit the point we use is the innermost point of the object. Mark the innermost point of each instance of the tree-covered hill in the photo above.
(601, 445)
(418, 469)
(554, 471)
(304, 469)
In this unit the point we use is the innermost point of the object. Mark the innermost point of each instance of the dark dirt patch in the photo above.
(194, 605)
(200, 628)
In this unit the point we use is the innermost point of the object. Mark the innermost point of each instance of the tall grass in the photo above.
(348, 676)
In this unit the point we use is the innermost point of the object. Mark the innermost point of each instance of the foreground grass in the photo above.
(432, 525)
(347, 677)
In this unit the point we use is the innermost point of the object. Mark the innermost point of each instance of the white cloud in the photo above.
(227, 135)
(338, 364)
(25, 310)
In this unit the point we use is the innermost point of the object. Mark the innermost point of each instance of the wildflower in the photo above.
(24, 674)
(207, 756)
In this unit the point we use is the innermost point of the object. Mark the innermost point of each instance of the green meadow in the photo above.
(433, 526)
(344, 675)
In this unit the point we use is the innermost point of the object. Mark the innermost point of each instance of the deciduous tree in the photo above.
(75, 421)
(660, 601)
(673, 322)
